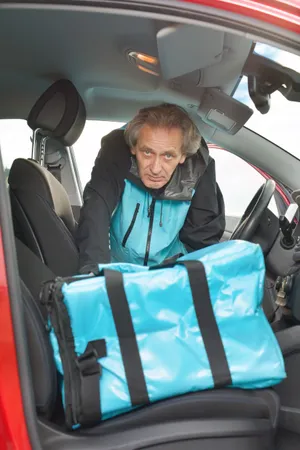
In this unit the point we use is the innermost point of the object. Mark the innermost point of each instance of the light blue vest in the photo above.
(145, 231)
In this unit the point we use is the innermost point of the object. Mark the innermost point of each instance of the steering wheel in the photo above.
(250, 220)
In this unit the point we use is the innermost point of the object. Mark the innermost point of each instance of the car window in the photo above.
(15, 141)
(88, 146)
(238, 181)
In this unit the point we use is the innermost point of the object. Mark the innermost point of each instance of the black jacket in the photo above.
(205, 221)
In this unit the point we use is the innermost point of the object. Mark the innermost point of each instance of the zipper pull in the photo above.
(46, 294)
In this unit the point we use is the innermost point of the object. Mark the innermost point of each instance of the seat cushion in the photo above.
(289, 341)
(208, 405)
(218, 420)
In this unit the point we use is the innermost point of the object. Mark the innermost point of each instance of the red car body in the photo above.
(13, 429)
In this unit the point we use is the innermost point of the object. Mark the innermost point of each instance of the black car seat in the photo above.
(216, 419)
(41, 210)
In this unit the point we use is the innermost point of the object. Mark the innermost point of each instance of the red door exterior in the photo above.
(283, 13)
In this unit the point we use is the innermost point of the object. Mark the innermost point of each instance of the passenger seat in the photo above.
(224, 419)
(41, 210)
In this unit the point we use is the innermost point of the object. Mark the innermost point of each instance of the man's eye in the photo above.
(147, 152)
(168, 156)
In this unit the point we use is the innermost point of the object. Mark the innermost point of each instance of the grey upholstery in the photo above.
(288, 390)
(42, 214)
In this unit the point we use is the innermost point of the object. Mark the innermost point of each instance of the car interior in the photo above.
(56, 77)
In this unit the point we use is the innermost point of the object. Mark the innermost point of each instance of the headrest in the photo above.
(59, 112)
(27, 176)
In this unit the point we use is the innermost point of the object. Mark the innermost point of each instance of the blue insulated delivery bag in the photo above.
(129, 335)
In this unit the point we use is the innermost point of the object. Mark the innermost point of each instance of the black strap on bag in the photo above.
(127, 339)
(207, 324)
(90, 372)
(206, 320)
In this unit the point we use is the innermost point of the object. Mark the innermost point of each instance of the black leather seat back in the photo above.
(43, 369)
(42, 214)
(44, 377)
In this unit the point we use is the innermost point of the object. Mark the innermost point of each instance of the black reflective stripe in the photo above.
(126, 335)
(207, 323)
(148, 243)
(90, 375)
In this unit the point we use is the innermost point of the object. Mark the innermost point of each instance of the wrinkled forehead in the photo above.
(160, 139)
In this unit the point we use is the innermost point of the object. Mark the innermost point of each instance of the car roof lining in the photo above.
(111, 87)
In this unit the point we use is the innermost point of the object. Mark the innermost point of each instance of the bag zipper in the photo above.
(56, 308)
(151, 220)
(127, 234)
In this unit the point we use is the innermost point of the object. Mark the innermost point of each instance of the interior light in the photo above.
(144, 62)
(147, 59)
(145, 69)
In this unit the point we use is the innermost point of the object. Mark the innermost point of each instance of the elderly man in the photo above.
(153, 193)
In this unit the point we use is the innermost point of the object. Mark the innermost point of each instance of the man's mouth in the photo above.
(155, 179)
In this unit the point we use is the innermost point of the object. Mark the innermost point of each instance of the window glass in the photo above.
(15, 141)
(88, 145)
(238, 181)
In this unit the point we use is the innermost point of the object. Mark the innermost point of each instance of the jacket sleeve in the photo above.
(205, 221)
(101, 196)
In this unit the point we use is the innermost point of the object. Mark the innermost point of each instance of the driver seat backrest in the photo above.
(42, 213)
(42, 216)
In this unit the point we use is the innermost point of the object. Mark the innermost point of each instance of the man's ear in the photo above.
(133, 150)
(182, 159)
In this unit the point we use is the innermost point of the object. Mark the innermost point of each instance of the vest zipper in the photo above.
(127, 234)
(151, 220)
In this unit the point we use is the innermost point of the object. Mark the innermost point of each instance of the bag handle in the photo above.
(207, 323)
(127, 338)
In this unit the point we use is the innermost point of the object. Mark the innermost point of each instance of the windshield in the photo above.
(281, 124)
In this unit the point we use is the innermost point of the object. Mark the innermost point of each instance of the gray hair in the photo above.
(166, 116)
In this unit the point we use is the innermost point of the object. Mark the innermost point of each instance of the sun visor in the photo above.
(185, 48)
(223, 112)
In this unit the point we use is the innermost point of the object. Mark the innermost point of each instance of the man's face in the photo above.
(158, 153)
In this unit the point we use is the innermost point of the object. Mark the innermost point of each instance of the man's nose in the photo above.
(156, 166)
